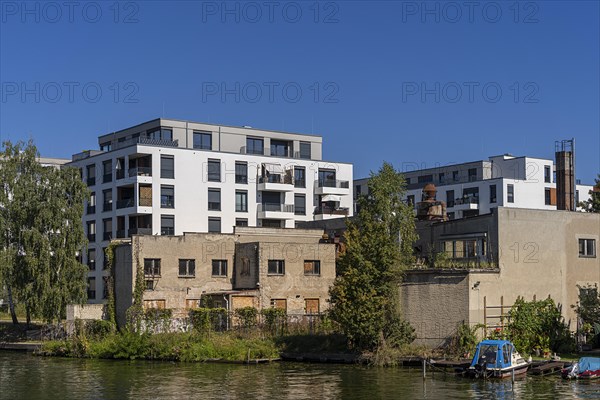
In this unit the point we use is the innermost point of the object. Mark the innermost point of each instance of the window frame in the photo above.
(243, 205)
(214, 220)
(213, 176)
(316, 268)
(152, 268)
(299, 210)
(162, 227)
(301, 154)
(220, 266)
(241, 178)
(253, 141)
(166, 204)
(189, 265)
(510, 193)
(586, 248)
(166, 173)
(212, 205)
(276, 267)
(202, 135)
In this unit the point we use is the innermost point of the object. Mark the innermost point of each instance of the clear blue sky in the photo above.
(412, 83)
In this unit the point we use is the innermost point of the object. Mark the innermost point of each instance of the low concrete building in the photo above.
(260, 267)
(474, 269)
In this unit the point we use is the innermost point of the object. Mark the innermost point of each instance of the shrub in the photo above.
(98, 329)
(205, 320)
(275, 320)
(247, 316)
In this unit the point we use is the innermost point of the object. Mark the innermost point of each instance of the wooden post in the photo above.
(502, 312)
(485, 316)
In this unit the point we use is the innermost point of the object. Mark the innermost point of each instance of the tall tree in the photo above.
(42, 231)
(379, 240)
(593, 203)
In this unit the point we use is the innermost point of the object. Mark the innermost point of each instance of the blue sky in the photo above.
(413, 83)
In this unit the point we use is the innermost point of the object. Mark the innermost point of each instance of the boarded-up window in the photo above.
(311, 306)
(312, 267)
(242, 301)
(159, 304)
(279, 303)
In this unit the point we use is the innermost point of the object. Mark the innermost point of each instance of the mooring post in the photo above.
(512, 377)
(424, 368)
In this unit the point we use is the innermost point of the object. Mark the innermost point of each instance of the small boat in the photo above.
(585, 368)
(496, 359)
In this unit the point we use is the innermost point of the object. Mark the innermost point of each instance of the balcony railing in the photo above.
(107, 178)
(332, 183)
(467, 200)
(142, 140)
(91, 237)
(331, 211)
(107, 235)
(125, 203)
(120, 174)
(245, 150)
(140, 231)
(91, 181)
(300, 183)
(272, 207)
(285, 179)
(107, 207)
(91, 209)
(121, 233)
(140, 171)
(145, 202)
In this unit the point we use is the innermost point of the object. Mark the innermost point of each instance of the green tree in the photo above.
(41, 228)
(593, 203)
(365, 295)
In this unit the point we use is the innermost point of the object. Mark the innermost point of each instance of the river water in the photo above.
(23, 376)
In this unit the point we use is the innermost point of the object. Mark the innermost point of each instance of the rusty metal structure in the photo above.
(430, 209)
(565, 175)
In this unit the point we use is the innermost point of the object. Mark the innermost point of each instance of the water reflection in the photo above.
(25, 376)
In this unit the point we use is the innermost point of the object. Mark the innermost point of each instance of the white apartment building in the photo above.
(474, 188)
(167, 177)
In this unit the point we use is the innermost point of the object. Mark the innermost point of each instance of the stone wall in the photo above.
(86, 311)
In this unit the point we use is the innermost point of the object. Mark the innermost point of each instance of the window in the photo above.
(492, 193)
(547, 174)
(279, 303)
(455, 176)
(105, 285)
(326, 178)
(203, 140)
(305, 150)
(91, 206)
(91, 259)
(214, 199)
(472, 174)
(510, 193)
(276, 267)
(587, 247)
(441, 177)
(151, 267)
(311, 306)
(547, 197)
(425, 179)
(167, 225)
(91, 290)
(299, 177)
(160, 134)
(107, 228)
(465, 248)
(187, 268)
(91, 231)
(271, 223)
(107, 171)
(219, 267)
(107, 202)
(312, 267)
(241, 201)
(214, 170)
(279, 148)
(241, 222)
(105, 146)
(167, 167)
(214, 225)
(241, 172)
(299, 204)
(254, 146)
(91, 174)
(150, 285)
(450, 198)
(167, 196)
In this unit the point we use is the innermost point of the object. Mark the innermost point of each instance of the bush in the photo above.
(248, 316)
(205, 320)
(275, 320)
(98, 329)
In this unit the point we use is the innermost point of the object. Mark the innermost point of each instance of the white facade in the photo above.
(476, 187)
(169, 177)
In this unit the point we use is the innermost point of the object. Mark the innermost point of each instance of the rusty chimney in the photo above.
(564, 151)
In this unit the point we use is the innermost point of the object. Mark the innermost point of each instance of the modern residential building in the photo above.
(167, 177)
(258, 267)
(475, 188)
(472, 270)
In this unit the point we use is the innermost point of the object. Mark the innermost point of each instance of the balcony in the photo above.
(275, 211)
(466, 203)
(140, 171)
(125, 203)
(331, 186)
(140, 231)
(277, 182)
(322, 213)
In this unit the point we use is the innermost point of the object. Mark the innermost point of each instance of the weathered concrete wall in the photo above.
(435, 303)
(86, 311)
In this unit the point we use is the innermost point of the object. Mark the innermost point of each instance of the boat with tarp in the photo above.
(496, 359)
(585, 368)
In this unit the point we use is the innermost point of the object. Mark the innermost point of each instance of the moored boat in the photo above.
(496, 359)
(585, 368)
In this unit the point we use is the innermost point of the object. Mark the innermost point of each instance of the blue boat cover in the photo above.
(493, 354)
(589, 364)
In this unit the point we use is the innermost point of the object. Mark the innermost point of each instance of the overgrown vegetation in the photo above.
(465, 340)
(588, 311)
(593, 203)
(364, 297)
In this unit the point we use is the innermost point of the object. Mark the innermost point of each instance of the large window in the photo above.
(312, 267)
(219, 267)
(587, 247)
(299, 204)
(493, 193)
(241, 172)
(151, 267)
(214, 199)
(187, 268)
(91, 174)
(326, 178)
(241, 201)
(167, 167)
(472, 174)
(167, 225)
(160, 134)
(91, 231)
(203, 140)
(276, 267)
(254, 146)
(107, 228)
(305, 150)
(108, 200)
(214, 225)
(107, 171)
(279, 148)
(214, 170)
(510, 193)
(167, 196)
(470, 248)
(299, 177)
